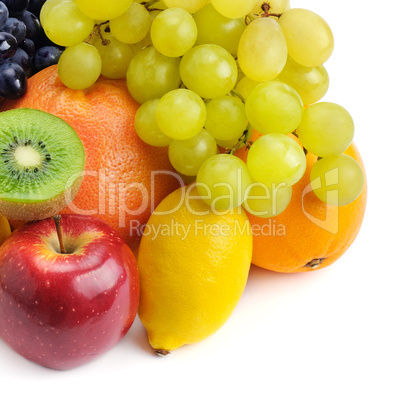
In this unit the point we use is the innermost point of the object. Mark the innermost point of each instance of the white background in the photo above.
(329, 335)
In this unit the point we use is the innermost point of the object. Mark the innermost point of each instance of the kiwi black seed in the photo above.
(41, 164)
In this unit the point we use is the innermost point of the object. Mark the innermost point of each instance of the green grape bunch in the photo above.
(207, 74)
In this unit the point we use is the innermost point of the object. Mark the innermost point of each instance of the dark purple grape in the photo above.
(13, 80)
(16, 5)
(28, 46)
(3, 14)
(8, 45)
(33, 27)
(35, 6)
(46, 56)
(16, 28)
(23, 60)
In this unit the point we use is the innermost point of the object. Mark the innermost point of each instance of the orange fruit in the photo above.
(309, 234)
(121, 183)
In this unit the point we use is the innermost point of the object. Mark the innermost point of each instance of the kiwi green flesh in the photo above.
(41, 158)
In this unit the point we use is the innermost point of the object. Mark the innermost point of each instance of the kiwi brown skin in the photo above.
(42, 162)
(42, 210)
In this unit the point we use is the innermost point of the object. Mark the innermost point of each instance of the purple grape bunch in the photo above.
(24, 47)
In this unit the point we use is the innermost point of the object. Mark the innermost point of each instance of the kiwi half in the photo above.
(41, 164)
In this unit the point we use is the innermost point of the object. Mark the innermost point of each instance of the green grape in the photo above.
(137, 47)
(189, 5)
(223, 181)
(147, 40)
(309, 38)
(266, 202)
(326, 129)
(311, 83)
(159, 5)
(79, 66)
(174, 32)
(337, 180)
(187, 156)
(227, 144)
(103, 10)
(233, 8)
(240, 73)
(262, 50)
(214, 28)
(66, 25)
(276, 159)
(245, 86)
(133, 25)
(181, 114)
(115, 55)
(277, 6)
(208, 70)
(47, 6)
(274, 107)
(146, 126)
(150, 75)
(226, 118)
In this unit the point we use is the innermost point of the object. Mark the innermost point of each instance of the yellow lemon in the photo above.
(5, 230)
(193, 265)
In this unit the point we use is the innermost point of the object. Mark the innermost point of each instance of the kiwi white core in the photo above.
(27, 157)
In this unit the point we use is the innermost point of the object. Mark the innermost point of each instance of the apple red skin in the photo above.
(63, 310)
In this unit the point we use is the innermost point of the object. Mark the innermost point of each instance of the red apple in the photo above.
(62, 310)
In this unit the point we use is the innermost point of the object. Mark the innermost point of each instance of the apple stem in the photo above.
(57, 219)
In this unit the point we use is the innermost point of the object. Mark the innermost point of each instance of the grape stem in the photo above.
(149, 4)
(297, 136)
(271, 15)
(265, 7)
(97, 31)
(234, 92)
(244, 140)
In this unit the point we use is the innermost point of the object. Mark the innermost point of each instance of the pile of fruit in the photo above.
(189, 136)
